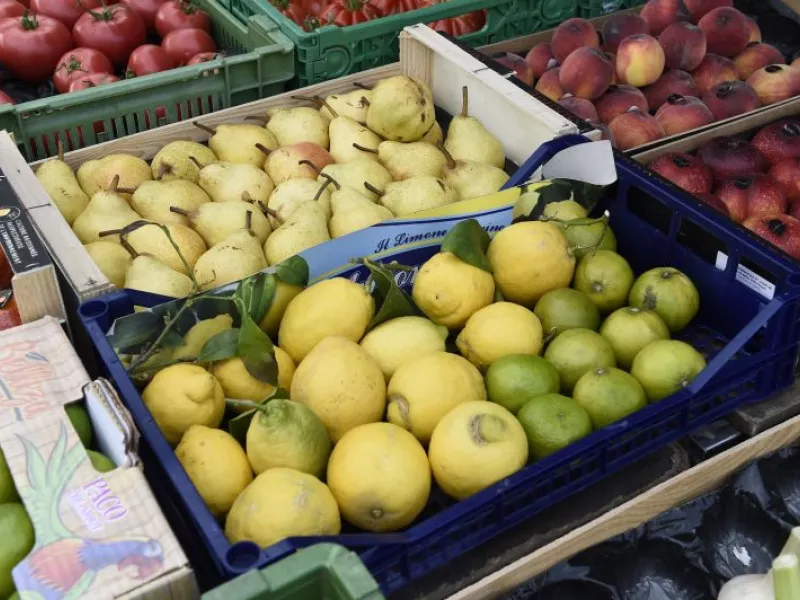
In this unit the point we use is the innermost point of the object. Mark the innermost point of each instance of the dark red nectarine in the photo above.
(684, 46)
(780, 140)
(684, 170)
(714, 69)
(752, 195)
(617, 100)
(621, 25)
(729, 157)
(700, 8)
(673, 81)
(727, 31)
(573, 34)
(659, 14)
(782, 231)
(731, 98)
(787, 175)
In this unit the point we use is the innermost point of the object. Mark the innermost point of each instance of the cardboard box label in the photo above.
(21, 244)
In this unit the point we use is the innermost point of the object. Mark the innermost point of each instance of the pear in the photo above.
(411, 160)
(306, 227)
(85, 177)
(353, 211)
(468, 139)
(236, 257)
(358, 172)
(151, 239)
(148, 274)
(173, 161)
(292, 125)
(417, 193)
(152, 200)
(112, 259)
(352, 104)
(290, 194)
(106, 211)
(131, 172)
(401, 109)
(351, 140)
(60, 183)
(234, 182)
(472, 179)
(435, 136)
(303, 159)
(236, 143)
(216, 221)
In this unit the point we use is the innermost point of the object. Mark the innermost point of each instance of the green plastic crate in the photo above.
(589, 9)
(332, 52)
(261, 63)
(321, 572)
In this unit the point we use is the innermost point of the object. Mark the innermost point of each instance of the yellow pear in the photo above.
(215, 221)
(112, 259)
(306, 227)
(472, 179)
(231, 182)
(236, 257)
(468, 139)
(350, 140)
(292, 125)
(293, 192)
(401, 109)
(59, 181)
(153, 199)
(410, 160)
(131, 171)
(151, 239)
(351, 104)
(148, 274)
(85, 177)
(106, 211)
(416, 194)
(179, 160)
(236, 143)
(352, 211)
(358, 172)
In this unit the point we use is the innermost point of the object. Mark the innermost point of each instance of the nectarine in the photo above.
(684, 46)
(713, 70)
(549, 85)
(635, 128)
(659, 14)
(787, 175)
(727, 31)
(573, 34)
(579, 106)
(756, 56)
(755, 30)
(522, 70)
(684, 170)
(731, 98)
(750, 195)
(700, 8)
(540, 58)
(617, 100)
(683, 113)
(782, 231)
(779, 140)
(729, 157)
(621, 25)
(586, 73)
(640, 60)
(673, 81)
(775, 83)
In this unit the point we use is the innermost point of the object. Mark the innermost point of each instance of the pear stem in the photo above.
(206, 128)
(196, 162)
(114, 184)
(328, 106)
(120, 190)
(464, 101)
(163, 169)
(246, 197)
(364, 148)
(272, 213)
(248, 221)
(330, 180)
(372, 188)
(127, 245)
(308, 163)
(179, 211)
(361, 86)
(451, 162)
(263, 149)
(60, 147)
(313, 99)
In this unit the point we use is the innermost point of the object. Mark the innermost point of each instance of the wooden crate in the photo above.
(520, 121)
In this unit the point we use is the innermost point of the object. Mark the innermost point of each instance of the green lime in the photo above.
(585, 235)
(565, 308)
(606, 277)
(16, 531)
(81, 422)
(513, 380)
(630, 329)
(553, 422)
(577, 351)
(100, 462)
(609, 395)
(664, 367)
(668, 292)
(566, 210)
(14, 596)
(8, 491)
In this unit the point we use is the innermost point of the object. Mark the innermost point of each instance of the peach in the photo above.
(755, 30)
(613, 60)
(700, 8)
(779, 140)
(775, 83)
(757, 56)
(549, 85)
(731, 98)
(684, 170)
(683, 113)
(580, 107)
(727, 31)
(540, 58)
(714, 69)
(573, 34)
(661, 13)
(617, 100)
(522, 70)
(673, 81)
(621, 25)
(635, 128)
(640, 60)
(586, 73)
(684, 45)
(787, 174)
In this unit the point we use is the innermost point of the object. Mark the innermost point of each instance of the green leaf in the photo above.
(172, 339)
(256, 294)
(223, 345)
(392, 302)
(588, 195)
(238, 425)
(293, 271)
(257, 352)
(468, 241)
(135, 330)
(56, 461)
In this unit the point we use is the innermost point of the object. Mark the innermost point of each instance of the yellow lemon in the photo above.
(238, 383)
(400, 340)
(334, 307)
(183, 395)
(475, 445)
(425, 389)
(341, 384)
(498, 330)
(282, 503)
(448, 290)
(200, 333)
(529, 259)
(284, 293)
(380, 477)
(216, 464)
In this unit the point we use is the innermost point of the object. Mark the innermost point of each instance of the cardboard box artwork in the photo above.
(516, 118)
(109, 524)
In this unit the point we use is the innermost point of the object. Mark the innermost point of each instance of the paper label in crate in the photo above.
(746, 276)
(18, 240)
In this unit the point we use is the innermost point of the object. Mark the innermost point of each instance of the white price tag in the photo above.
(744, 275)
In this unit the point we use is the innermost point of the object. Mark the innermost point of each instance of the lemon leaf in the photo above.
(392, 302)
(293, 271)
(238, 425)
(135, 330)
(256, 294)
(257, 352)
(468, 241)
(223, 345)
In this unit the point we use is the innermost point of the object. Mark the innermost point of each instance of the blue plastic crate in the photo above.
(751, 343)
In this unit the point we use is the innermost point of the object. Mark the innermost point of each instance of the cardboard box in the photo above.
(516, 118)
(110, 520)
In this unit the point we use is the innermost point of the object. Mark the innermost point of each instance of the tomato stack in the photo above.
(311, 14)
(86, 43)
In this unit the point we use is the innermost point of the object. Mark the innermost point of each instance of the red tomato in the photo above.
(391, 7)
(91, 80)
(181, 14)
(5, 98)
(66, 11)
(147, 9)
(149, 59)
(462, 25)
(204, 57)
(11, 8)
(316, 7)
(114, 30)
(30, 46)
(349, 12)
(78, 62)
(295, 10)
(183, 44)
